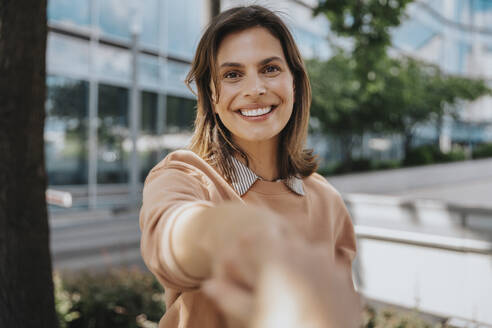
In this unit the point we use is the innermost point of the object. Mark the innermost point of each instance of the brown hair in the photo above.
(211, 139)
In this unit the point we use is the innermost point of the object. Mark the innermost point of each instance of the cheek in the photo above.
(226, 97)
(284, 88)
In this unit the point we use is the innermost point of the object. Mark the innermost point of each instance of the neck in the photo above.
(262, 157)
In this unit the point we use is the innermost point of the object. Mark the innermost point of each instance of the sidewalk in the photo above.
(466, 183)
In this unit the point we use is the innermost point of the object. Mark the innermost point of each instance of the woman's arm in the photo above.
(201, 234)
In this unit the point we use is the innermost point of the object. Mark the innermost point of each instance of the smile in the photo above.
(256, 112)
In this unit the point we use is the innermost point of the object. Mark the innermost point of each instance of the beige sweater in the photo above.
(182, 180)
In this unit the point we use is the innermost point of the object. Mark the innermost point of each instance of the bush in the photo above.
(389, 318)
(482, 151)
(118, 298)
(454, 155)
(429, 154)
(132, 298)
(357, 165)
(385, 165)
(421, 155)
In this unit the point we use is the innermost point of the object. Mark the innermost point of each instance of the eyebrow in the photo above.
(262, 62)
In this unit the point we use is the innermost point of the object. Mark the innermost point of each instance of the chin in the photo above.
(258, 137)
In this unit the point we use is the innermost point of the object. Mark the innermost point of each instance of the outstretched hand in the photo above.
(273, 280)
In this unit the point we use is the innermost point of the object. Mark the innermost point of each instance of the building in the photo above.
(90, 118)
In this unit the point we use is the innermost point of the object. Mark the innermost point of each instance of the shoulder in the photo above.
(189, 166)
(182, 158)
(322, 192)
(180, 162)
(316, 183)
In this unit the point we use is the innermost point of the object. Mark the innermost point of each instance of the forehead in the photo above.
(250, 45)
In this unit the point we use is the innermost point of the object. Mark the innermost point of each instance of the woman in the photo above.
(246, 192)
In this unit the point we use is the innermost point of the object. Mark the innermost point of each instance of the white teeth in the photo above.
(256, 112)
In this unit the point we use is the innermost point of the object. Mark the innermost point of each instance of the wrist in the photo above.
(185, 239)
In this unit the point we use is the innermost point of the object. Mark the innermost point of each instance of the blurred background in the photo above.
(401, 120)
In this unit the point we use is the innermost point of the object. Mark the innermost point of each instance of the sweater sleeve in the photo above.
(168, 192)
(345, 242)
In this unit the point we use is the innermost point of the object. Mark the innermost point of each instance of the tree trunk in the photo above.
(26, 286)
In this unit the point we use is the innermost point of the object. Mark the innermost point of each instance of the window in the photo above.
(150, 143)
(65, 131)
(69, 12)
(113, 64)
(149, 113)
(148, 69)
(175, 76)
(184, 24)
(115, 17)
(150, 23)
(464, 53)
(67, 56)
(113, 135)
(180, 114)
(311, 45)
(413, 35)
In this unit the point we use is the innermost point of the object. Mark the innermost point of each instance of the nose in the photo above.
(254, 86)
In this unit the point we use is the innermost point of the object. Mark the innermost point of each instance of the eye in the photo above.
(231, 75)
(270, 69)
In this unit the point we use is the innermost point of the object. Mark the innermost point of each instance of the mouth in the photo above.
(257, 112)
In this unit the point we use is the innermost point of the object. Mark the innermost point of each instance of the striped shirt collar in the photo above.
(243, 178)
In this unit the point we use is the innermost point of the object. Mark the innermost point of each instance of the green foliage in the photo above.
(123, 298)
(336, 95)
(364, 90)
(402, 94)
(429, 154)
(422, 155)
(482, 151)
(367, 23)
(456, 154)
(388, 318)
(358, 165)
(386, 165)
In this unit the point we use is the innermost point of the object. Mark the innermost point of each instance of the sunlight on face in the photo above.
(256, 86)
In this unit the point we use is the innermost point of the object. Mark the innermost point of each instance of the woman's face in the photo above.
(256, 86)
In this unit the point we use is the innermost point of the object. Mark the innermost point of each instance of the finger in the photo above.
(233, 301)
(240, 263)
(240, 272)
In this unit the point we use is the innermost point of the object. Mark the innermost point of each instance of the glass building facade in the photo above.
(88, 132)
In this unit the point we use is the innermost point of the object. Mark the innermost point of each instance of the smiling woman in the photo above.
(245, 194)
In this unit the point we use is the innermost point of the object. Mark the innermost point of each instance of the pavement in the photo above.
(467, 183)
(95, 240)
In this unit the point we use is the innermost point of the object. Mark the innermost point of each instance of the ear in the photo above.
(213, 95)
